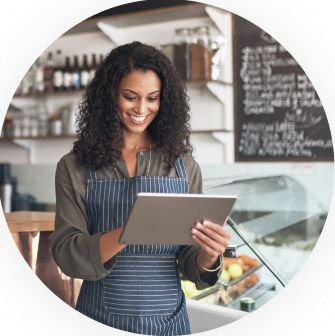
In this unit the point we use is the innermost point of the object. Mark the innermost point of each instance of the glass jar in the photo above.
(182, 52)
(201, 54)
(55, 125)
(201, 36)
(168, 50)
(18, 125)
(8, 127)
(34, 126)
(43, 119)
(25, 126)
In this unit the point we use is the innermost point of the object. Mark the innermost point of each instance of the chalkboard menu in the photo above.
(278, 114)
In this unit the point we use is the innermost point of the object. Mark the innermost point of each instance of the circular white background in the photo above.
(306, 29)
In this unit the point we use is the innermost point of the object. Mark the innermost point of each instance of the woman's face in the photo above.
(138, 100)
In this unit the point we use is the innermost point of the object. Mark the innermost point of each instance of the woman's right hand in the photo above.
(109, 244)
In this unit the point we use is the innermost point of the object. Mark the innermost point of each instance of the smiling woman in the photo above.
(138, 101)
(159, 85)
(133, 137)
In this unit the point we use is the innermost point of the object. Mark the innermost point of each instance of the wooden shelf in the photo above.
(205, 82)
(36, 95)
(50, 93)
(210, 131)
(145, 16)
(74, 136)
(49, 137)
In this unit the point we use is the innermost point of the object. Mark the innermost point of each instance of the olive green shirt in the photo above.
(76, 251)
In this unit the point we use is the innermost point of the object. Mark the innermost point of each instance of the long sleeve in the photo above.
(187, 255)
(75, 251)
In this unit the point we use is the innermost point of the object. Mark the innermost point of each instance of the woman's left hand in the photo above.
(213, 240)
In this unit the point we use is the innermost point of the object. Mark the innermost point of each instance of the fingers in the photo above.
(211, 252)
(219, 229)
(212, 238)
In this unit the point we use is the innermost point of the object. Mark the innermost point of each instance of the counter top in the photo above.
(30, 221)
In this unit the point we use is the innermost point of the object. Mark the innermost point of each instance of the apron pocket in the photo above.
(142, 285)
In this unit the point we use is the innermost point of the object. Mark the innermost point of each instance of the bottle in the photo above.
(43, 117)
(18, 91)
(84, 73)
(75, 74)
(93, 66)
(8, 126)
(32, 79)
(101, 59)
(181, 54)
(201, 54)
(48, 73)
(55, 125)
(39, 76)
(67, 75)
(57, 77)
(26, 122)
(28, 82)
(15, 114)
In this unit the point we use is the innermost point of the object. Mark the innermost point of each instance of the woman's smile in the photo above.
(138, 119)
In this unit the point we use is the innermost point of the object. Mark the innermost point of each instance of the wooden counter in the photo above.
(28, 227)
(30, 221)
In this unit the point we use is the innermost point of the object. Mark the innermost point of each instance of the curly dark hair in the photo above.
(98, 125)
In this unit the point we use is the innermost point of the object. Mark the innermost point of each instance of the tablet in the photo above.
(157, 218)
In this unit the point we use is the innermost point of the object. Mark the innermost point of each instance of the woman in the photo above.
(133, 137)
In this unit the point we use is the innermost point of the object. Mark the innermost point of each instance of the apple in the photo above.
(235, 270)
(189, 289)
(225, 276)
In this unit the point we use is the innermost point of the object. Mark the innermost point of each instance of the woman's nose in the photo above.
(141, 107)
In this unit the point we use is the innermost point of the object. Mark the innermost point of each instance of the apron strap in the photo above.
(180, 167)
(91, 174)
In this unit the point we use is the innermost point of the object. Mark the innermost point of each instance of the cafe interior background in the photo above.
(259, 131)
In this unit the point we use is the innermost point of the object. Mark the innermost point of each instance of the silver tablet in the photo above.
(168, 218)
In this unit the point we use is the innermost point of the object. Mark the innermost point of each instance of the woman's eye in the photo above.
(130, 98)
(152, 99)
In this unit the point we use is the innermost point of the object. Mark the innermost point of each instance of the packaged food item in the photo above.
(252, 280)
(247, 304)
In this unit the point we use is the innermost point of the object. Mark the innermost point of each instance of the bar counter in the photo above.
(30, 221)
(31, 229)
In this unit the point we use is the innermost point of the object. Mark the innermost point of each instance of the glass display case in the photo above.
(275, 224)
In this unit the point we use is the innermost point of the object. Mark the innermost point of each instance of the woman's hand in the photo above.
(213, 240)
(109, 244)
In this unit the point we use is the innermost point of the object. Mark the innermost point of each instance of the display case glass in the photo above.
(275, 224)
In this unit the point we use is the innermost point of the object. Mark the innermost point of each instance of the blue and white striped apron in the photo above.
(142, 294)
